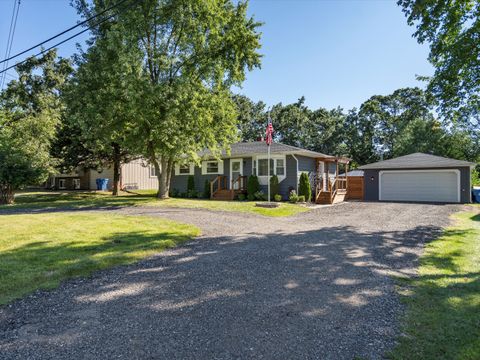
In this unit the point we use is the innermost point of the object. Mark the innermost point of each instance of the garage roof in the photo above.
(417, 161)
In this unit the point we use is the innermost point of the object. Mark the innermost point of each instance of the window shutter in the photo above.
(220, 166)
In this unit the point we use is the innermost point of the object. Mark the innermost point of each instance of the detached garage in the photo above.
(418, 178)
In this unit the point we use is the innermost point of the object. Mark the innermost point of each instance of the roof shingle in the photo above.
(417, 161)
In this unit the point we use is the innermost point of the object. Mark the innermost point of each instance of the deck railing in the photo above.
(240, 183)
(217, 184)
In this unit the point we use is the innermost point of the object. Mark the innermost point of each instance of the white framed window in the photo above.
(184, 169)
(277, 167)
(153, 172)
(76, 184)
(212, 167)
(62, 184)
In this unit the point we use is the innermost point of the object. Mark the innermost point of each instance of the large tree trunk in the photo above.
(116, 169)
(6, 195)
(164, 179)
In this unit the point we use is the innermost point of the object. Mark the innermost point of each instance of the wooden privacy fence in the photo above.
(355, 188)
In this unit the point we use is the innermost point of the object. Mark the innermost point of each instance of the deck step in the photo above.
(223, 195)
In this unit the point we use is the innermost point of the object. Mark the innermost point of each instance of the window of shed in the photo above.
(184, 169)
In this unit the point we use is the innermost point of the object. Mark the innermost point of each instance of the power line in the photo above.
(67, 39)
(11, 34)
(65, 31)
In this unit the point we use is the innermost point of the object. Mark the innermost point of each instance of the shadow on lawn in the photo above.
(72, 201)
(315, 293)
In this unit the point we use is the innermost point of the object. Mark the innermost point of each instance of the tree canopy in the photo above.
(452, 28)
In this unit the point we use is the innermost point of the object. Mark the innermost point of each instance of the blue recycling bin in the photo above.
(102, 184)
(476, 195)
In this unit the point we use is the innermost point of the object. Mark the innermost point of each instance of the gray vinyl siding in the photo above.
(306, 164)
(371, 187)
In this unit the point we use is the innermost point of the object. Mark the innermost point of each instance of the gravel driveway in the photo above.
(312, 286)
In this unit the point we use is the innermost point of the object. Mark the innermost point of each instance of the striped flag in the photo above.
(269, 134)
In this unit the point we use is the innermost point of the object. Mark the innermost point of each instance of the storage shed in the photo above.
(418, 177)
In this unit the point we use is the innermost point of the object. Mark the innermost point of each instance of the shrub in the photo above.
(260, 195)
(293, 197)
(278, 198)
(183, 195)
(174, 193)
(274, 186)
(241, 197)
(206, 189)
(475, 177)
(250, 197)
(301, 198)
(190, 183)
(253, 186)
(304, 187)
(191, 194)
(199, 195)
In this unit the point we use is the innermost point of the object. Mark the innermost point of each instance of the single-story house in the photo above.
(228, 174)
(418, 177)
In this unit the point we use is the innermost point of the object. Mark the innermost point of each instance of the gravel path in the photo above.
(311, 286)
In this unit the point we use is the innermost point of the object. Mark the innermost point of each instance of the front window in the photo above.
(263, 167)
(212, 167)
(184, 169)
(62, 184)
(280, 167)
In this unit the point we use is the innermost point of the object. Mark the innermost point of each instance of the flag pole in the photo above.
(268, 199)
(268, 124)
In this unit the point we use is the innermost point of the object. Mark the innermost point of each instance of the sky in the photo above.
(335, 53)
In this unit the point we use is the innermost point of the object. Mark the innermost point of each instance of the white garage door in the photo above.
(420, 185)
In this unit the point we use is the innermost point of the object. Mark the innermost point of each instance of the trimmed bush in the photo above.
(206, 189)
(274, 186)
(293, 197)
(241, 197)
(304, 187)
(278, 198)
(260, 195)
(190, 183)
(200, 195)
(253, 186)
(301, 198)
(191, 194)
(174, 193)
(250, 197)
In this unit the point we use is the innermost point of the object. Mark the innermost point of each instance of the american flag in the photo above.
(269, 134)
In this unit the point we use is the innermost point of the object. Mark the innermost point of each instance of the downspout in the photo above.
(296, 175)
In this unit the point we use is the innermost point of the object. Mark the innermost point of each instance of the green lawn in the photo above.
(144, 198)
(40, 250)
(443, 303)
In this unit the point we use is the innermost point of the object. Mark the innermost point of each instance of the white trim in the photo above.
(381, 172)
(241, 169)
(190, 172)
(219, 171)
(64, 184)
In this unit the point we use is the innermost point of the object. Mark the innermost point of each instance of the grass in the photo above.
(46, 200)
(38, 251)
(443, 303)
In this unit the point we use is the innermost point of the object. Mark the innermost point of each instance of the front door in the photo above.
(236, 170)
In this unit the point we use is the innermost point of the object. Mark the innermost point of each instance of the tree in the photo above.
(192, 52)
(101, 103)
(452, 28)
(252, 118)
(360, 138)
(274, 187)
(30, 109)
(304, 187)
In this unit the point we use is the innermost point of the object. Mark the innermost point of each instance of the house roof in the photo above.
(417, 161)
(259, 147)
(353, 173)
